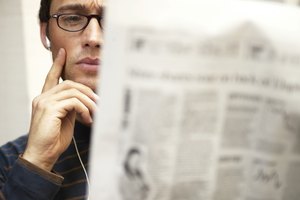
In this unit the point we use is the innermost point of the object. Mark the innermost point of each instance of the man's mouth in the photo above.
(89, 64)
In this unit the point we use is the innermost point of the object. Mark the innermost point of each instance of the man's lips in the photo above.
(89, 64)
(89, 61)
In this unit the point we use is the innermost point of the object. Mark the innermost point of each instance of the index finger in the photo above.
(54, 73)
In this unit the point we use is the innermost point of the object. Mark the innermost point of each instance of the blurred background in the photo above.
(24, 64)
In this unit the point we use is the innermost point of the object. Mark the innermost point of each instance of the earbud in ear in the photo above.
(48, 43)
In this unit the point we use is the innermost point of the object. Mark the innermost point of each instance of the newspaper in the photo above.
(198, 101)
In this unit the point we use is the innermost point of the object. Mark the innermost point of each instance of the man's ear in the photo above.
(44, 35)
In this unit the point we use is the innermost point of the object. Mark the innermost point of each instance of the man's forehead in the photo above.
(60, 5)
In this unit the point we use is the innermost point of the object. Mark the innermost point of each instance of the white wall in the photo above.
(24, 64)
(38, 59)
(13, 87)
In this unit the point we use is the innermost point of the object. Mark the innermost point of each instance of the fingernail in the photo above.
(60, 51)
(91, 120)
(96, 97)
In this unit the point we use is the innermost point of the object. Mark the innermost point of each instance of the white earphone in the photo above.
(82, 165)
(48, 44)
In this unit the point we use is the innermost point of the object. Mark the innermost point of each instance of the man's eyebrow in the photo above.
(76, 7)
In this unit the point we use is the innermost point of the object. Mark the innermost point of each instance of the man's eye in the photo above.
(72, 19)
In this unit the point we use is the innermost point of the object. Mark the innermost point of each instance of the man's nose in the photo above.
(93, 34)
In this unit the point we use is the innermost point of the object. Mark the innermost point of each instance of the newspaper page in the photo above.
(199, 100)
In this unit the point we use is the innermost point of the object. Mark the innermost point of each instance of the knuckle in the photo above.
(90, 90)
(35, 101)
(68, 83)
(84, 110)
(73, 91)
(39, 103)
(74, 100)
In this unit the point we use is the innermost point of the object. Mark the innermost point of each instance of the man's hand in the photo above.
(53, 116)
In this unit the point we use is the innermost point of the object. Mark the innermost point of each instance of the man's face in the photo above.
(82, 47)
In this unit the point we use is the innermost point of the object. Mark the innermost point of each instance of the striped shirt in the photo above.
(20, 179)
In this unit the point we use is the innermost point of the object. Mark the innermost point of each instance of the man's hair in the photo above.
(44, 12)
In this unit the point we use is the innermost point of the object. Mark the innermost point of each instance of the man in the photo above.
(44, 164)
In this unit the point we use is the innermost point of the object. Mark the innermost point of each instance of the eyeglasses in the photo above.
(75, 22)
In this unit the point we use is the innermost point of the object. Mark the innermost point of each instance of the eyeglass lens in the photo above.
(72, 22)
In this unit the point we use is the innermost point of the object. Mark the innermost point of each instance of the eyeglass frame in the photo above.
(89, 17)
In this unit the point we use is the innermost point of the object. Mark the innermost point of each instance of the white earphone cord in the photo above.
(82, 165)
